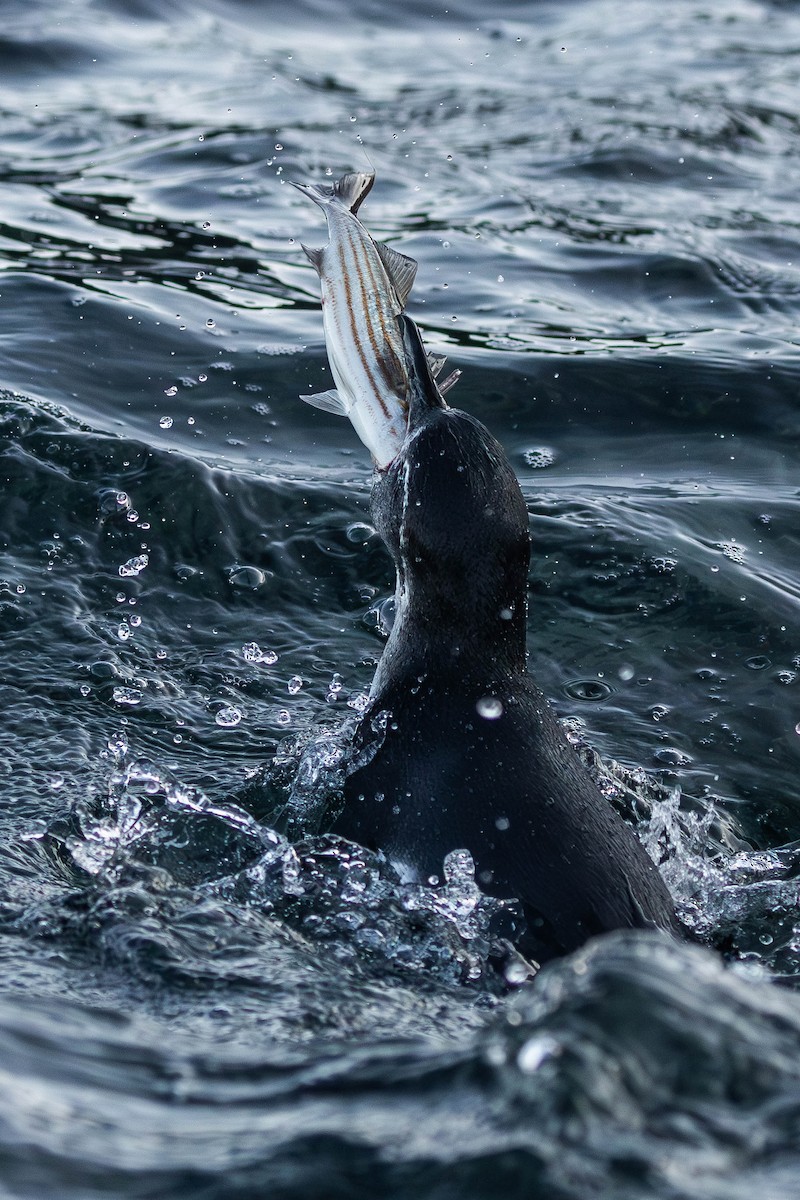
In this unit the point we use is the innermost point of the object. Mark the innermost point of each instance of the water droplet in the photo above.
(171, 391)
(202, 378)
(294, 685)
(252, 652)
(35, 831)
(626, 673)
(210, 323)
(490, 708)
(502, 823)
(124, 632)
(166, 422)
(536, 1051)
(283, 717)
(228, 717)
(118, 744)
(134, 566)
(126, 695)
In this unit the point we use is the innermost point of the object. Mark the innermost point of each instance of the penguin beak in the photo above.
(423, 394)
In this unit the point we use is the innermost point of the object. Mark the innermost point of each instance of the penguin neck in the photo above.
(464, 637)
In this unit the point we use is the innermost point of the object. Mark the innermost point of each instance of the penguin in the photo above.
(458, 747)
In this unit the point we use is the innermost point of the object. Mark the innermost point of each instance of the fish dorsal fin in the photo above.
(315, 255)
(353, 189)
(435, 362)
(400, 268)
(330, 402)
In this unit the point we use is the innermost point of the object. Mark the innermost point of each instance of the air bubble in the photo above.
(587, 689)
(228, 717)
(539, 457)
(247, 577)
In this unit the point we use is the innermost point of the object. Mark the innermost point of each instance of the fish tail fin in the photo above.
(351, 190)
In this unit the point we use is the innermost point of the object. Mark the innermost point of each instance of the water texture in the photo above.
(203, 994)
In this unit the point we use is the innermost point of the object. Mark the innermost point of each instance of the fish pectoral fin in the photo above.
(451, 381)
(330, 402)
(401, 270)
(353, 189)
(315, 255)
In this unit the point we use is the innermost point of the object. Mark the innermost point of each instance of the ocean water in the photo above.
(202, 994)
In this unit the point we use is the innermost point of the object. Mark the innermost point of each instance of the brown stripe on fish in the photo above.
(384, 352)
(359, 260)
(350, 271)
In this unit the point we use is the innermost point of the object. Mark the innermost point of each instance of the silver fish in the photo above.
(365, 286)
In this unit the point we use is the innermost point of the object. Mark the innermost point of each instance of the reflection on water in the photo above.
(192, 598)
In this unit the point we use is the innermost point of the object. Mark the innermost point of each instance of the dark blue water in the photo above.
(603, 203)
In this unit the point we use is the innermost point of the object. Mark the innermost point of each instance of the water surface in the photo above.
(603, 206)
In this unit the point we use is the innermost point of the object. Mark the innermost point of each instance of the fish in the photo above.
(365, 285)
